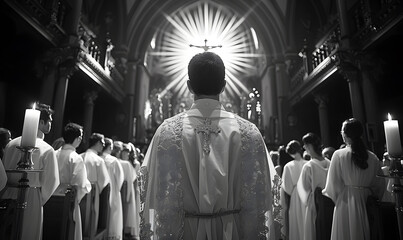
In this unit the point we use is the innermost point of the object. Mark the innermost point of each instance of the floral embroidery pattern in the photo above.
(255, 193)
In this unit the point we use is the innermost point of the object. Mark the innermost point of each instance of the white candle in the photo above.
(392, 135)
(30, 129)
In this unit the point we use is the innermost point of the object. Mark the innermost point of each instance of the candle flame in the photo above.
(389, 117)
(34, 106)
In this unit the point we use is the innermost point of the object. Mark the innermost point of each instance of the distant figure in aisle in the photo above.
(351, 179)
(313, 175)
(294, 208)
(40, 190)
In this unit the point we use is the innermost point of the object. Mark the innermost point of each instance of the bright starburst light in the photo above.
(226, 34)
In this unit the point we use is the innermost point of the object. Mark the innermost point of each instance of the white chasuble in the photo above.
(206, 175)
(116, 175)
(42, 185)
(72, 172)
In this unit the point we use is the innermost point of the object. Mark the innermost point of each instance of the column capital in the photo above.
(321, 99)
(90, 97)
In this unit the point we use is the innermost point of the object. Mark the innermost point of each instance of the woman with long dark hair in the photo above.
(313, 175)
(351, 179)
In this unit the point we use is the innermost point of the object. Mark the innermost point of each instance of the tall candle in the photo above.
(30, 129)
(392, 135)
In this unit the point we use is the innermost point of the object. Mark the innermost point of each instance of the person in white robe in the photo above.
(313, 175)
(207, 173)
(351, 179)
(72, 171)
(42, 184)
(292, 170)
(131, 153)
(116, 175)
(131, 216)
(3, 176)
(97, 172)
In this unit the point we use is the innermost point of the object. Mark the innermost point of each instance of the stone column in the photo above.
(130, 86)
(344, 23)
(269, 102)
(89, 99)
(72, 18)
(322, 101)
(59, 102)
(357, 104)
(282, 106)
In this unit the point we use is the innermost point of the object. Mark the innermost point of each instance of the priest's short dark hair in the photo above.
(206, 74)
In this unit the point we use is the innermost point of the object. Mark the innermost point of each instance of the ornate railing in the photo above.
(370, 18)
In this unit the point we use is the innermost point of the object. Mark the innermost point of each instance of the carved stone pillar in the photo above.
(347, 63)
(130, 87)
(344, 23)
(282, 106)
(322, 102)
(73, 17)
(59, 101)
(269, 102)
(89, 99)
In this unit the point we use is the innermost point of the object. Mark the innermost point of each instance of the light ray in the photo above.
(192, 25)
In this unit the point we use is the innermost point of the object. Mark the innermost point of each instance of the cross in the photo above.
(205, 47)
(206, 129)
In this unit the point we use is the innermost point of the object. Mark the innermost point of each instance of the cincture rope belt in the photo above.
(211, 215)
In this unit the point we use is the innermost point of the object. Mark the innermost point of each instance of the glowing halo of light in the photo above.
(192, 25)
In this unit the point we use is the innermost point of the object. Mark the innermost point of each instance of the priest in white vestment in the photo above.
(207, 172)
(115, 227)
(96, 170)
(72, 171)
(42, 185)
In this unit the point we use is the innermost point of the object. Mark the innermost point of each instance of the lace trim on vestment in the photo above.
(168, 204)
(255, 193)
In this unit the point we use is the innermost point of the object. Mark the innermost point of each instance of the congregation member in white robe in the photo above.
(206, 173)
(133, 156)
(351, 179)
(3, 176)
(72, 171)
(42, 185)
(290, 177)
(131, 217)
(116, 175)
(313, 175)
(96, 169)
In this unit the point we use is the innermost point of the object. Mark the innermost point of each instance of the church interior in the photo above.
(120, 67)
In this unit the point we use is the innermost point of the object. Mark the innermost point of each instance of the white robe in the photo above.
(131, 223)
(42, 185)
(349, 187)
(290, 177)
(97, 174)
(72, 172)
(214, 188)
(116, 175)
(3, 176)
(313, 175)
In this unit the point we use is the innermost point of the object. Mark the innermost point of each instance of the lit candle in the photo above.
(392, 135)
(30, 129)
